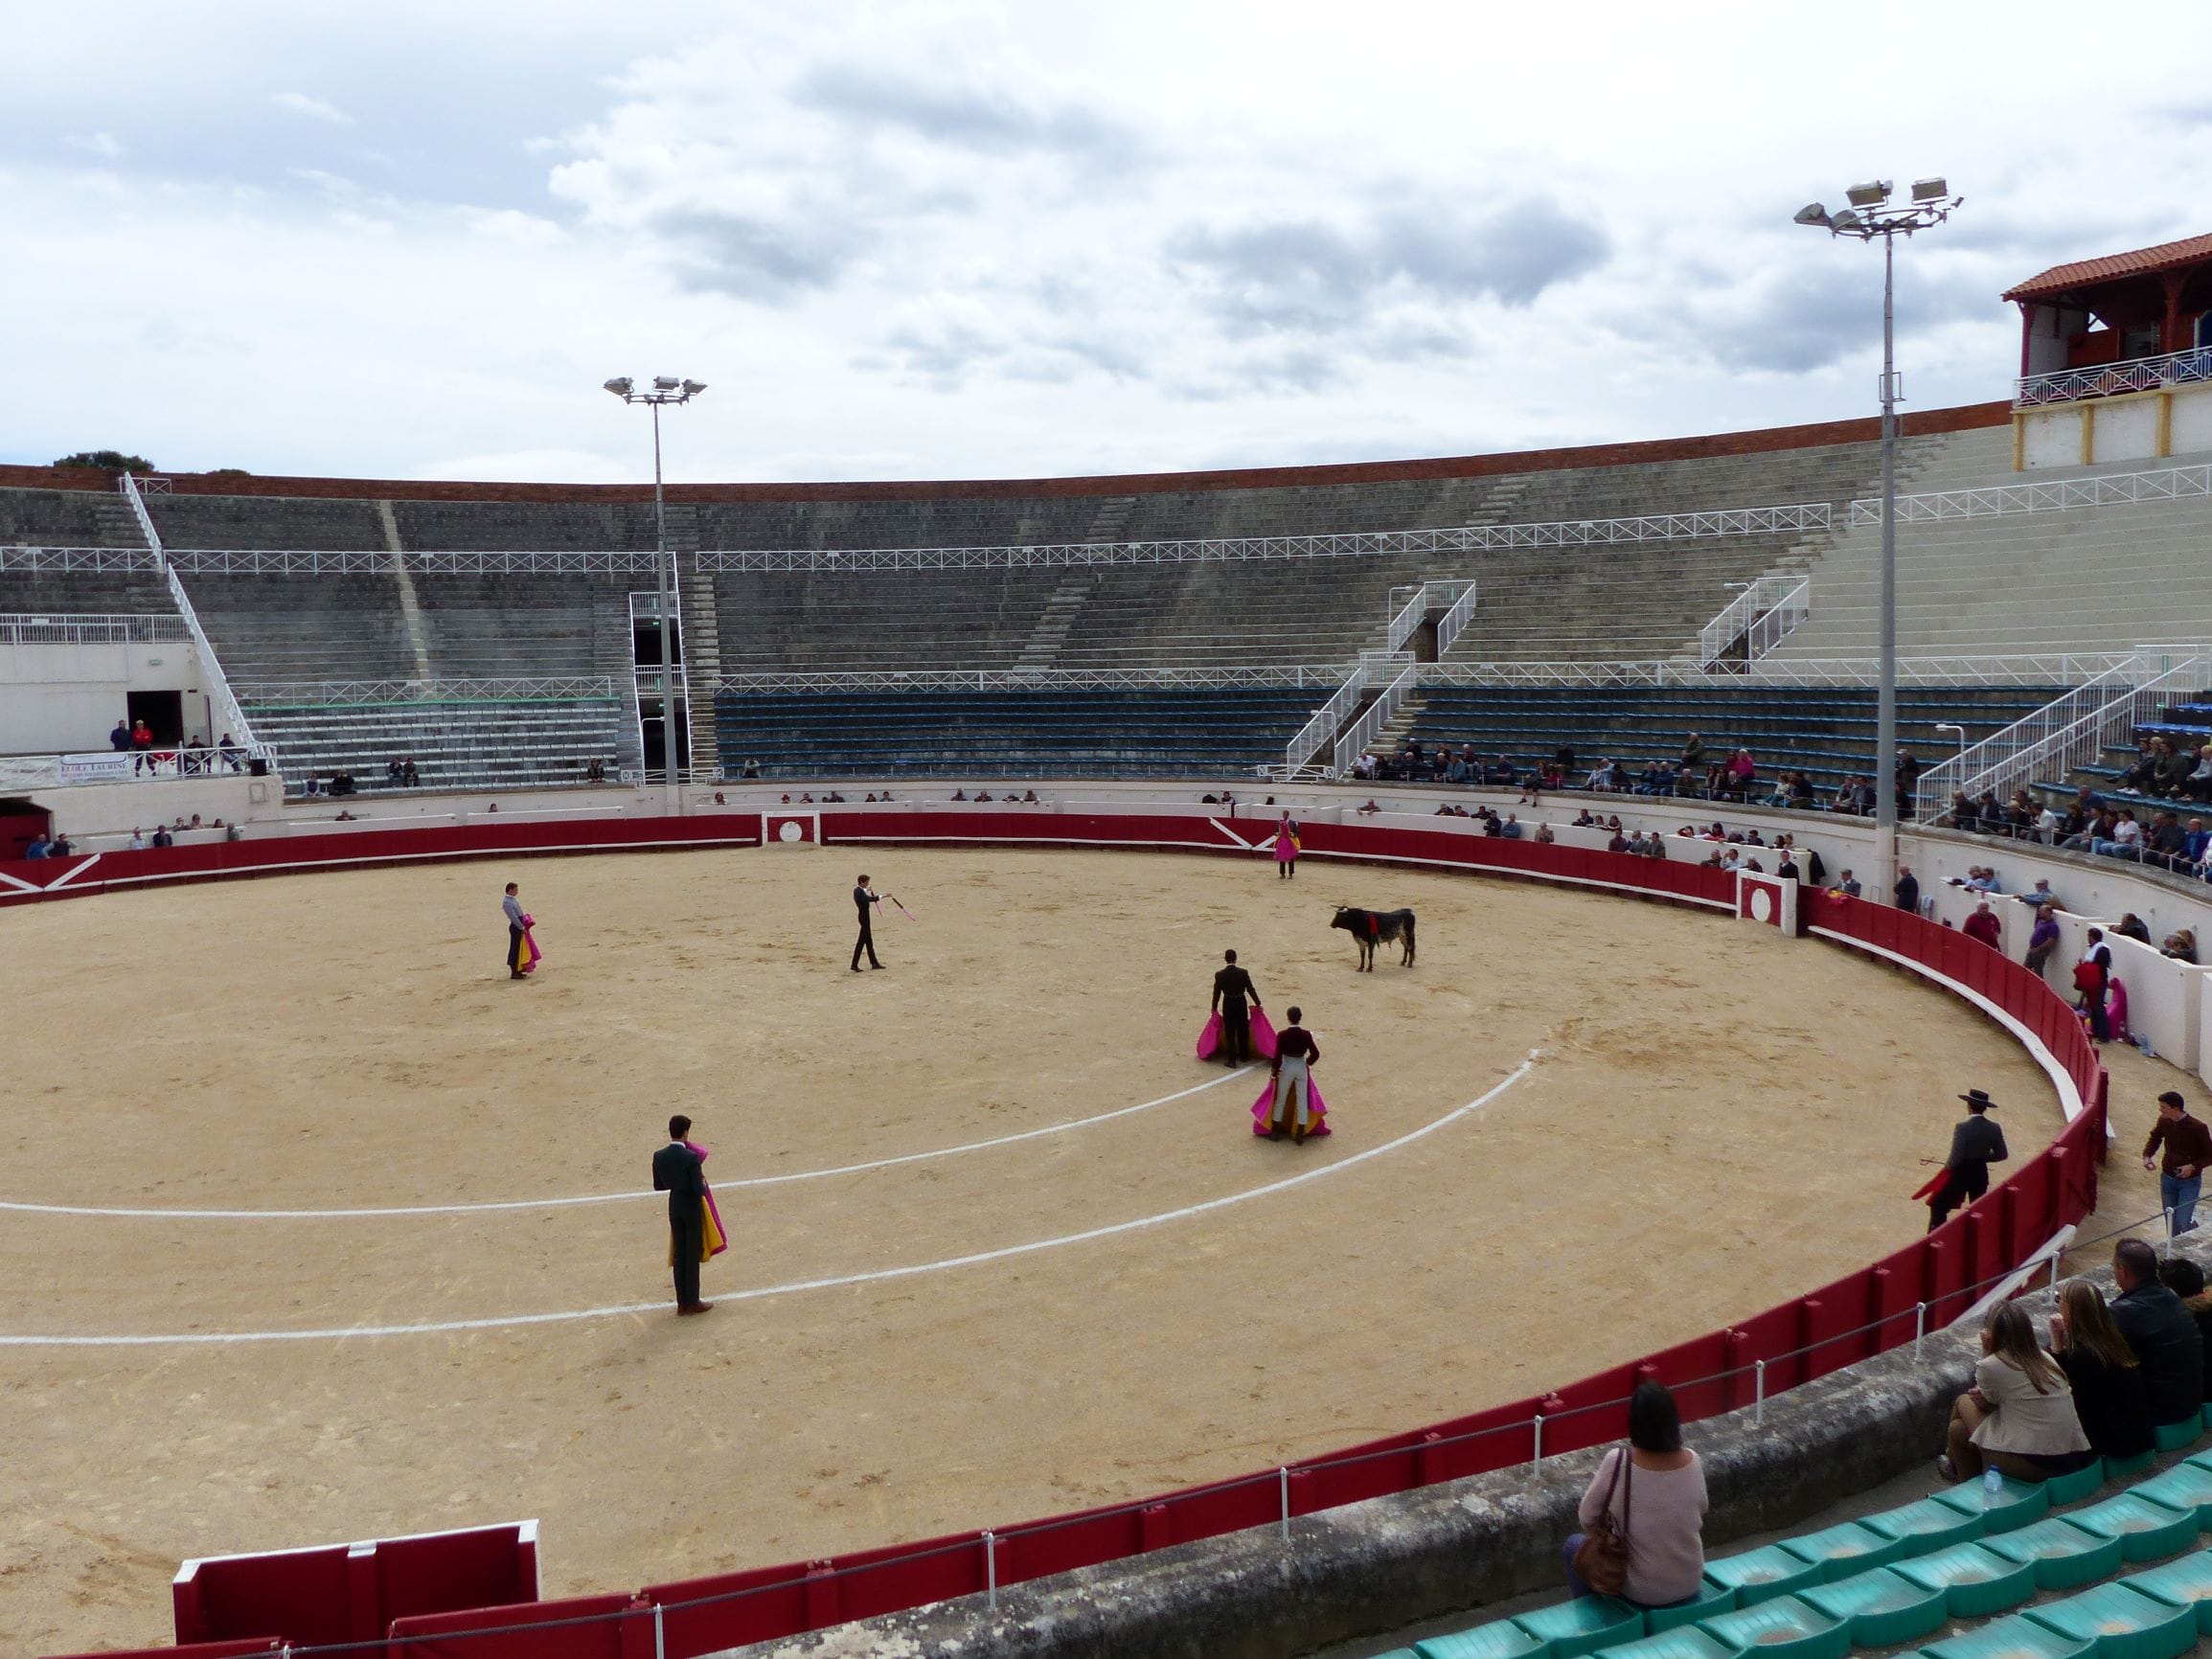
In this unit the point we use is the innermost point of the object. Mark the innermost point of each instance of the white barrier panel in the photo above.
(2164, 999)
(790, 828)
(1768, 900)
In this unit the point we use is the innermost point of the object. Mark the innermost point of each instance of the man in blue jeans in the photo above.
(2187, 1145)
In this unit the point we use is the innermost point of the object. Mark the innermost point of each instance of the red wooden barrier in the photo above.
(580, 1627)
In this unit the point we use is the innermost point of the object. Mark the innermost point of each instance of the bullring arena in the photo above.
(336, 1299)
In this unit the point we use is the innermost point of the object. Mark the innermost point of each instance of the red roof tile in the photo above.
(2084, 273)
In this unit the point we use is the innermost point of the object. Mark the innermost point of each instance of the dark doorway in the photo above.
(645, 642)
(163, 713)
(653, 732)
(19, 823)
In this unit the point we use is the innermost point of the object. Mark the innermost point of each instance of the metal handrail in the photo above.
(2182, 368)
(353, 693)
(104, 628)
(1377, 715)
(2069, 731)
(2052, 495)
(1766, 610)
(18, 555)
(2058, 668)
(1453, 622)
(230, 718)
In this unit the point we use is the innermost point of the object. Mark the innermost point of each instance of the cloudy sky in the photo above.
(967, 239)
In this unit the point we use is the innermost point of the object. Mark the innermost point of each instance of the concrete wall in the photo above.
(63, 698)
(2131, 426)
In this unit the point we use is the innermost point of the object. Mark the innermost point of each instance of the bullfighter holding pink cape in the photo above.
(1290, 1105)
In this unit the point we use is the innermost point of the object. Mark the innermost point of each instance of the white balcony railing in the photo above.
(1378, 713)
(2053, 495)
(2103, 379)
(1455, 599)
(106, 629)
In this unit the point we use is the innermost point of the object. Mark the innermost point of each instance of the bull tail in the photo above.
(1409, 938)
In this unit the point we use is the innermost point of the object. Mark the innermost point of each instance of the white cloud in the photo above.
(985, 239)
(101, 144)
(314, 108)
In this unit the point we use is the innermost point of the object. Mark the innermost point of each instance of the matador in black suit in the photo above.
(867, 899)
(676, 1170)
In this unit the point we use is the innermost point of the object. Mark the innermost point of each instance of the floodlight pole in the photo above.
(674, 688)
(1867, 219)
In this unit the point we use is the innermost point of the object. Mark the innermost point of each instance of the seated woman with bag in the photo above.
(2019, 1413)
(1644, 1514)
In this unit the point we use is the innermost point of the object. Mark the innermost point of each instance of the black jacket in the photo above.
(1977, 1141)
(677, 1172)
(1908, 893)
(1233, 988)
(2114, 1412)
(2164, 1336)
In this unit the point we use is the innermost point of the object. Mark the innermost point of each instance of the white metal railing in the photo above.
(129, 766)
(2103, 379)
(1721, 522)
(357, 694)
(1426, 597)
(1759, 618)
(2056, 495)
(1318, 732)
(2071, 730)
(95, 559)
(1362, 731)
(1453, 622)
(228, 717)
(106, 629)
(2040, 671)
(1256, 676)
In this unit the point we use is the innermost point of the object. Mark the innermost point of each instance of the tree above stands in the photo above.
(108, 461)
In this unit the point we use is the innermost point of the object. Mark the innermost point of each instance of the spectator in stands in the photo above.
(1907, 774)
(2168, 843)
(60, 847)
(2020, 815)
(2019, 1413)
(2174, 768)
(2041, 894)
(2179, 1148)
(957, 795)
(2048, 825)
(393, 771)
(142, 747)
(1742, 775)
(1500, 772)
(37, 846)
(1694, 754)
(1984, 926)
(1584, 819)
(2043, 940)
(341, 782)
(1455, 770)
(1986, 809)
(229, 751)
(1908, 894)
(1801, 793)
(2186, 1280)
(312, 786)
(137, 842)
(2126, 840)
(2144, 767)
(1511, 828)
(2087, 826)
(2182, 945)
(2162, 1332)
(1602, 777)
(1849, 885)
(752, 769)
(1979, 878)
(1543, 835)
(1960, 814)
(2107, 1378)
(119, 739)
(2199, 784)
(1367, 807)
(2200, 843)
(1657, 1499)
(232, 832)
(596, 772)
(162, 837)
(409, 774)
(2131, 926)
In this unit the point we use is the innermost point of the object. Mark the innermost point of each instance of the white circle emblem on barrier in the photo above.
(790, 830)
(1762, 904)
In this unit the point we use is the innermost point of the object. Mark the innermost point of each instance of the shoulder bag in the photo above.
(1601, 1562)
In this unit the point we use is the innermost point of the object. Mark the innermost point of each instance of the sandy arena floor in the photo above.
(1718, 1117)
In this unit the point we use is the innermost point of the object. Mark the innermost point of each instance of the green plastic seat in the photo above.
(2013, 1504)
(2173, 1436)
(2061, 1553)
(2186, 1485)
(1784, 1627)
(2205, 1415)
(1881, 1608)
(2124, 1623)
(2013, 1638)
(1569, 1629)
(1975, 1583)
(2128, 1469)
(1840, 1551)
(2074, 1487)
(2183, 1583)
(2146, 1531)
(1928, 1525)
(1760, 1574)
(1709, 1600)
(1499, 1638)
(1684, 1642)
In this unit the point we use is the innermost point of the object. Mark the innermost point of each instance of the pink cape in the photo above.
(1286, 846)
(1263, 1037)
(722, 1233)
(1264, 1108)
(531, 940)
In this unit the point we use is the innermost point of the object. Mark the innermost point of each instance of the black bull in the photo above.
(1373, 927)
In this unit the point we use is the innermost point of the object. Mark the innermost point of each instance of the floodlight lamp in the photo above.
(619, 385)
(1811, 214)
(1870, 195)
(1928, 190)
(693, 388)
(1846, 220)
(664, 382)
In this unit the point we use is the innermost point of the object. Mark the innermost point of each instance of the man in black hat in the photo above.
(1975, 1144)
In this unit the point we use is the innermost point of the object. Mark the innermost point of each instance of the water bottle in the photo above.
(1992, 1485)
